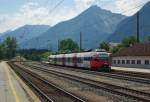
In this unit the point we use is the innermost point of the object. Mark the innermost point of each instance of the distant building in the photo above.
(136, 56)
(112, 45)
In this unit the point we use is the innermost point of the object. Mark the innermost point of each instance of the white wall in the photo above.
(142, 58)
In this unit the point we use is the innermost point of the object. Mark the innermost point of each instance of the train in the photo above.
(86, 60)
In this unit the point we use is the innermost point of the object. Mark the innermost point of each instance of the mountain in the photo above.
(95, 24)
(128, 26)
(25, 33)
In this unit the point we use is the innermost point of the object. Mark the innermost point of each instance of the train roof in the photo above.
(82, 54)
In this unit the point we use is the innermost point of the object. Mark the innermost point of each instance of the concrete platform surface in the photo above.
(10, 88)
(132, 69)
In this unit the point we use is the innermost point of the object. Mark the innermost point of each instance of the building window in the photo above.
(133, 62)
(128, 62)
(123, 61)
(138, 61)
(114, 61)
(118, 61)
(146, 62)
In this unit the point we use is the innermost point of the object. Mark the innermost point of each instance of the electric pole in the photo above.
(80, 41)
(138, 27)
(58, 46)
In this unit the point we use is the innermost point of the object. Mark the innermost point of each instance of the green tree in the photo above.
(126, 42)
(2, 51)
(68, 45)
(116, 48)
(129, 41)
(104, 45)
(10, 45)
(45, 55)
(148, 38)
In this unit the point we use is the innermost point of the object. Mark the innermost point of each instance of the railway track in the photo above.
(134, 74)
(44, 89)
(117, 75)
(119, 90)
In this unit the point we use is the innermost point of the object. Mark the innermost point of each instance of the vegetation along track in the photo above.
(119, 90)
(46, 90)
(117, 75)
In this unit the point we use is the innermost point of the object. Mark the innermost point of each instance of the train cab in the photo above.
(100, 61)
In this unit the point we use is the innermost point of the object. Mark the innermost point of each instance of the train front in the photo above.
(101, 61)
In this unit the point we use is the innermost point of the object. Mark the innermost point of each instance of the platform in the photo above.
(131, 69)
(11, 89)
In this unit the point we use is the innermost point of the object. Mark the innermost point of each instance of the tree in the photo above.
(2, 51)
(148, 38)
(104, 45)
(116, 48)
(45, 55)
(68, 45)
(10, 45)
(126, 42)
(129, 41)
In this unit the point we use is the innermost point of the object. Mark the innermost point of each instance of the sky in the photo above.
(16, 13)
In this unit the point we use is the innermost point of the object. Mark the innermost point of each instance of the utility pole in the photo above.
(80, 41)
(138, 27)
(58, 46)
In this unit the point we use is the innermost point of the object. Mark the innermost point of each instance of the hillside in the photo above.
(24, 33)
(128, 26)
(96, 25)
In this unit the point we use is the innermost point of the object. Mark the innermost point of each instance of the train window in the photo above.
(79, 59)
(114, 61)
(104, 57)
(87, 58)
(133, 62)
(55, 59)
(68, 59)
(146, 62)
(128, 62)
(123, 61)
(138, 61)
(118, 61)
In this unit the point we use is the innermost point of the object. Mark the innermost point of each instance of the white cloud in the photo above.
(126, 7)
(83, 4)
(33, 13)
(129, 7)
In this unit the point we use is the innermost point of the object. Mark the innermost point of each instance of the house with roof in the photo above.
(136, 56)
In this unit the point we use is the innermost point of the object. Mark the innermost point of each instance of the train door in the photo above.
(86, 61)
(75, 60)
(63, 60)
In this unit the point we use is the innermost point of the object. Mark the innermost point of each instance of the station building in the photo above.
(137, 56)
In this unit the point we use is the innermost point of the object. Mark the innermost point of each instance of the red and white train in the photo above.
(87, 60)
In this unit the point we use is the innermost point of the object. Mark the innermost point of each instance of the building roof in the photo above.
(141, 49)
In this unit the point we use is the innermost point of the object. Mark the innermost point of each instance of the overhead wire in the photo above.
(107, 19)
(58, 4)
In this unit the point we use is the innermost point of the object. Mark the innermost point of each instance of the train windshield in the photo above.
(104, 57)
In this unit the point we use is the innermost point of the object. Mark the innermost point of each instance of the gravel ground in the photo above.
(82, 90)
(128, 84)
